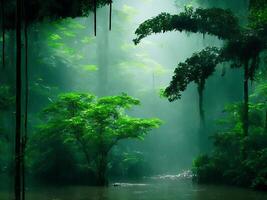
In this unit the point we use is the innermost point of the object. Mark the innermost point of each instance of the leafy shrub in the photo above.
(236, 159)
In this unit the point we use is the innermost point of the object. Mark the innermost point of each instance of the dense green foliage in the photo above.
(37, 10)
(243, 47)
(6, 99)
(94, 126)
(80, 138)
(227, 163)
(6, 103)
(197, 69)
(214, 21)
(248, 166)
(6, 106)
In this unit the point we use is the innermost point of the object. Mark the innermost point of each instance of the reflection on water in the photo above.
(156, 190)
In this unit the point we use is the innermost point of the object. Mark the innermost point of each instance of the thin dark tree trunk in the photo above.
(84, 149)
(101, 162)
(3, 32)
(18, 104)
(25, 137)
(102, 170)
(202, 135)
(95, 17)
(265, 121)
(246, 109)
(110, 14)
(200, 107)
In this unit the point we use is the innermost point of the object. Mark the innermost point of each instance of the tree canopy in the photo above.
(94, 124)
(195, 69)
(247, 48)
(38, 10)
(214, 21)
(243, 44)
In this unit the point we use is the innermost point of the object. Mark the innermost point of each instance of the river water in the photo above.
(149, 190)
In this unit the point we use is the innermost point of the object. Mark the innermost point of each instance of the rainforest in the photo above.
(133, 100)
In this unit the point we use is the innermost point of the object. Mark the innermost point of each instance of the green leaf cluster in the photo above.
(197, 68)
(214, 21)
(245, 170)
(94, 124)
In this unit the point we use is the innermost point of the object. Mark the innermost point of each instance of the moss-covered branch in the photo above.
(214, 21)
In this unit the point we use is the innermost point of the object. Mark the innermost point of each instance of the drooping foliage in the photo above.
(52, 9)
(244, 50)
(197, 69)
(95, 125)
(243, 44)
(214, 21)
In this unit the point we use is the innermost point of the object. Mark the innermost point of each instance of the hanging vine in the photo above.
(53, 9)
(95, 17)
(110, 14)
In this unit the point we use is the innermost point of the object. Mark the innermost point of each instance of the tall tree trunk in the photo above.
(201, 110)
(18, 104)
(25, 136)
(101, 160)
(102, 170)
(246, 109)
(201, 134)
